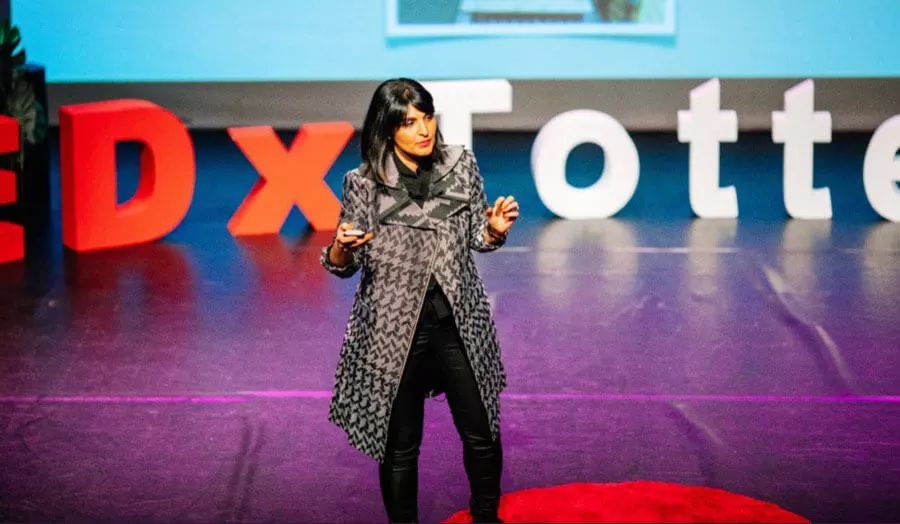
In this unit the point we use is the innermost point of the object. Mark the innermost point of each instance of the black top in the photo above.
(418, 184)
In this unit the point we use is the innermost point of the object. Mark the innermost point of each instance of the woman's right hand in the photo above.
(346, 241)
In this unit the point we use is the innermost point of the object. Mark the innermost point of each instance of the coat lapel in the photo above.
(447, 195)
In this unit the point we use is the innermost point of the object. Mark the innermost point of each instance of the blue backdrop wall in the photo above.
(291, 40)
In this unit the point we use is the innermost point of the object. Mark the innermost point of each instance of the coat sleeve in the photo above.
(354, 202)
(477, 205)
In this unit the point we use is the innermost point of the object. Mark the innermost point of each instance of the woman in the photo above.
(420, 323)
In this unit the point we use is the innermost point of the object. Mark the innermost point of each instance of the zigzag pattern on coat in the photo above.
(447, 197)
(394, 268)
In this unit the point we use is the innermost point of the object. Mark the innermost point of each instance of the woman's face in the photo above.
(415, 136)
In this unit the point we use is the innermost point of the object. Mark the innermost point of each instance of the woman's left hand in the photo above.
(504, 213)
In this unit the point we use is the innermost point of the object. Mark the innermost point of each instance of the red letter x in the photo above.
(288, 177)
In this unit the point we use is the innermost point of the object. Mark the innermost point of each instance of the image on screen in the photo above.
(439, 18)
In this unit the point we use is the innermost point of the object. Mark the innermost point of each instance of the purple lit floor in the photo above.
(188, 380)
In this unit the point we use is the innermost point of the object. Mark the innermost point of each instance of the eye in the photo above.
(429, 117)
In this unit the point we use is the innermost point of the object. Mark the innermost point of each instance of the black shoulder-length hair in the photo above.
(386, 113)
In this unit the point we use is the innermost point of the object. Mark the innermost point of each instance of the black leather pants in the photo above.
(437, 339)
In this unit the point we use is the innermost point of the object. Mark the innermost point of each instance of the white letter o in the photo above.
(616, 185)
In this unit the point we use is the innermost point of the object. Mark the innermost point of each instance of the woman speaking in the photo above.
(420, 323)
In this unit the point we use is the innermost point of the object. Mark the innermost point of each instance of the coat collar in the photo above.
(446, 197)
(452, 154)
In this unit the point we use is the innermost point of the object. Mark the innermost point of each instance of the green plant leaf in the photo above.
(21, 104)
(12, 40)
(11, 58)
(17, 59)
(42, 125)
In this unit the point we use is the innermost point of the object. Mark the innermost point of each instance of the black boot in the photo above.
(484, 510)
(483, 466)
(399, 484)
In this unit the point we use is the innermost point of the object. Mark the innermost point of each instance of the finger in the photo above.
(507, 201)
(511, 215)
(488, 212)
(511, 205)
(363, 240)
(358, 241)
(498, 203)
(342, 230)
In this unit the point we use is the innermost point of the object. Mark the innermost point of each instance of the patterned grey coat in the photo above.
(409, 244)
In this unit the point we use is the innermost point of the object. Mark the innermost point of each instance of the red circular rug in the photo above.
(640, 501)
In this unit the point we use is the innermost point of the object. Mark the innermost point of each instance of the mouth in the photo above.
(424, 143)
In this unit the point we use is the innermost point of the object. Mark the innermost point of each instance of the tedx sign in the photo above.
(92, 218)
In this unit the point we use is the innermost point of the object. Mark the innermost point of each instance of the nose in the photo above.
(422, 128)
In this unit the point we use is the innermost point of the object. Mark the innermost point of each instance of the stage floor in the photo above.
(189, 379)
